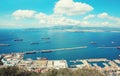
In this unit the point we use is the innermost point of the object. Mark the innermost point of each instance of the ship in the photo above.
(30, 53)
(4, 44)
(46, 51)
(32, 43)
(47, 38)
(93, 42)
(118, 47)
(18, 40)
(40, 58)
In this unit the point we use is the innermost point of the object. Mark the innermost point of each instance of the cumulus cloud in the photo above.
(109, 17)
(19, 14)
(55, 20)
(69, 7)
(103, 15)
(89, 17)
(45, 19)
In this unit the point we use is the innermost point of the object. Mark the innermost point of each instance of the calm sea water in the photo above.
(60, 39)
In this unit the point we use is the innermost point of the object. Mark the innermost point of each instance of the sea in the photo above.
(60, 39)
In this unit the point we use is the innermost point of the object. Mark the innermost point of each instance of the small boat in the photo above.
(46, 51)
(39, 58)
(34, 43)
(18, 40)
(29, 59)
(4, 44)
(44, 59)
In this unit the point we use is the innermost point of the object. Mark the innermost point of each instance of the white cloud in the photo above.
(55, 20)
(106, 16)
(89, 17)
(42, 19)
(69, 7)
(116, 20)
(19, 14)
(103, 15)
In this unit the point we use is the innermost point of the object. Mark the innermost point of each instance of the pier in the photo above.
(106, 47)
(53, 50)
(97, 60)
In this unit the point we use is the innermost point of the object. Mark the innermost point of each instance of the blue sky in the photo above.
(44, 13)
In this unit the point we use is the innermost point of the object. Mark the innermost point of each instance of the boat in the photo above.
(34, 43)
(29, 59)
(118, 47)
(18, 40)
(93, 42)
(30, 53)
(4, 44)
(43, 59)
(46, 38)
(39, 58)
(46, 51)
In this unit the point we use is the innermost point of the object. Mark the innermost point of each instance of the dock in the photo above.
(97, 60)
(106, 47)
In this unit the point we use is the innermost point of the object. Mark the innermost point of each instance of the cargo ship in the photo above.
(47, 38)
(118, 47)
(4, 44)
(30, 53)
(18, 40)
(93, 42)
(33, 43)
(46, 51)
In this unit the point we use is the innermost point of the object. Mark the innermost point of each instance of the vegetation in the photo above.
(1, 62)
(14, 71)
(68, 72)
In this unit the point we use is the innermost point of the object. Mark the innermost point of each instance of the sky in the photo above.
(47, 13)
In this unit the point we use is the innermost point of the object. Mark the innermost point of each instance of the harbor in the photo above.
(43, 64)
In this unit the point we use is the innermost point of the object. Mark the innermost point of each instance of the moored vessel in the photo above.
(46, 51)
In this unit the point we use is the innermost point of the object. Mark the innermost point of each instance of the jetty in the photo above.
(106, 47)
(53, 50)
